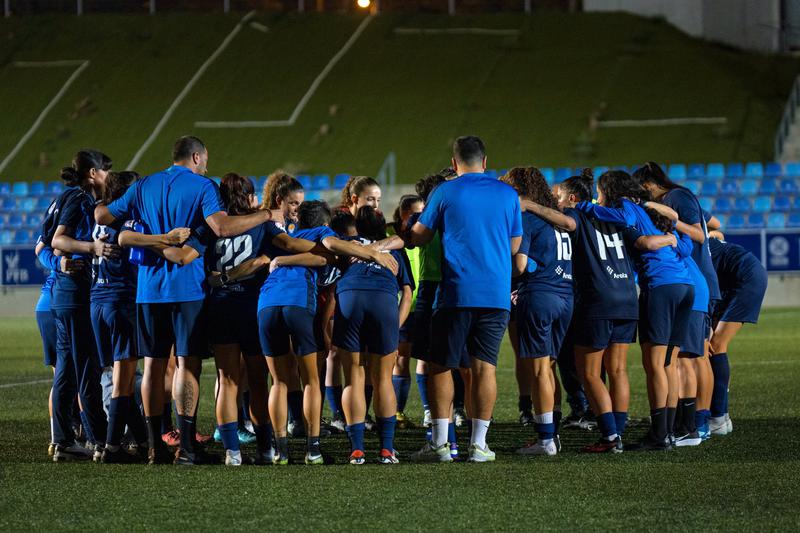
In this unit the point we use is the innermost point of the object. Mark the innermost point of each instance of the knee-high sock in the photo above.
(722, 375)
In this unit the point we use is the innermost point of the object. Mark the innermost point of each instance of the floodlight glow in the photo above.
(363, 3)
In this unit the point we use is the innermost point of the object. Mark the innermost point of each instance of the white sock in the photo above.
(52, 430)
(439, 431)
(544, 418)
(479, 430)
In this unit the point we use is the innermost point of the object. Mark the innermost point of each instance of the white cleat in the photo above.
(728, 423)
(480, 455)
(536, 448)
(73, 452)
(233, 458)
(459, 417)
(426, 419)
(431, 454)
(689, 439)
(718, 425)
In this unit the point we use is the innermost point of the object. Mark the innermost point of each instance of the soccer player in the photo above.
(742, 283)
(473, 307)
(544, 305)
(667, 294)
(366, 326)
(67, 228)
(170, 299)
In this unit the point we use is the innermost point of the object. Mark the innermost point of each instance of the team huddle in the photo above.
(299, 304)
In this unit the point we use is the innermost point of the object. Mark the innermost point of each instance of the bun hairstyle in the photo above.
(354, 187)
(370, 223)
(426, 185)
(275, 181)
(617, 185)
(84, 161)
(581, 186)
(530, 183)
(117, 183)
(236, 192)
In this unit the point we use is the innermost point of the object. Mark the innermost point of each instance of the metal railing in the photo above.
(788, 118)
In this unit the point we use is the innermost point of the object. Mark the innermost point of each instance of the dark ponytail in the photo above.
(236, 192)
(83, 162)
(370, 223)
(581, 186)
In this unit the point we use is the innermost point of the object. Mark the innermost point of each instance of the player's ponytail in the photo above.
(370, 223)
(270, 192)
(237, 194)
(84, 161)
(580, 186)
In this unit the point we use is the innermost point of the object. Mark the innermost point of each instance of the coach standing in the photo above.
(170, 297)
(480, 224)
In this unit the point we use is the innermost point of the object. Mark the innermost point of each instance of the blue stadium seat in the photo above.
(43, 202)
(697, 171)
(742, 205)
(788, 186)
(6, 236)
(26, 205)
(313, 195)
(23, 237)
(55, 187)
(768, 186)
(776, 220)
(755, 220)
(792, 170)
(9, 204)
(16, 221)
(625, 168)
(709, 188)
(723, 220)
(599, 170)
(37, 188)
(549, 175)
(563, 173)
(723, 205)
(492, 173)
(729, 186)
(706, 203)
(782, 204)
(322, 182)
(715, 171)
(5, 189)
(796, 206)
(677, 172)
(19, 189)
(773, 170)
(749, 187)
(754, 170)
(736, 222)
(762, 204)
(340, 180)
(305, 181)
(793, 220)
(693, 185)
(260, 182)
(734, 171)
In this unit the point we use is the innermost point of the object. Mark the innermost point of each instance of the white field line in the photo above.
(191, 83)
(655, 122)
(260, 27)
(456, 31)
(82, 64)
(303, 101)
(35, 382)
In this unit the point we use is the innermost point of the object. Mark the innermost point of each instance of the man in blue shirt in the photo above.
(481, 227)
(170, 297)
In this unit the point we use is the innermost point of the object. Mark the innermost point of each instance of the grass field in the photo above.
(530, 96)
(747, 481)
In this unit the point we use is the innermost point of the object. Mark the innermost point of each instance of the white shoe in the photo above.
(233, 458)
(72, 452)
(295, 429)
(689, 439)
(427, 421)
(459, 417)
(480, 455)
(431, 454)
(98, 452)
(718, 425)
(338, 423)
(536, 448)
(728, 423)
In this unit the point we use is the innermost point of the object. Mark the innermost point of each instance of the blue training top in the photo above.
(293, 285)
(368, 276)
(113, 280)
(476, 216)
(656, 268)
(50, 262)
(76, 212)
(549, 252)
(173, 198)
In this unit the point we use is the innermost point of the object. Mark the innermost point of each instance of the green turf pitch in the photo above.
(747, 481)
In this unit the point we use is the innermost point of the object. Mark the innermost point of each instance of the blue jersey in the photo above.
(50, 262)
(549, 252)
(689, 211)
(293, 285)
(77, 213)
(173, 198)
(113, 280)
(476, 241)
(605, 287)
(368, 276)
(734, 265)
(656, 268)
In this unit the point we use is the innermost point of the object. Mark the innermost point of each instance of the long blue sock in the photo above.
(368, 390)
(422, 387)
(607, 425)
(722, 376)
(356, 434)
(230, 436)
(701, 417)
(117, 413)
(386, 427)
(87, 430)
(620, 420)
(338, 390)
(246, 405)
(295, 402)
(330, 396)
(263, 437)
(402, 384)
(451, 433)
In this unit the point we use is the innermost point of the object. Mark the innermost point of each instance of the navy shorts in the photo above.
(284, 328)
(114, 325)
(742, 304)
(407, 329)
(232, 321)
(542, 321)
(366, 321)
(698, 332)
(479, 329)
(182, 324)
(423, 318)
(664, 314)
(600, 333)
(47, 330)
